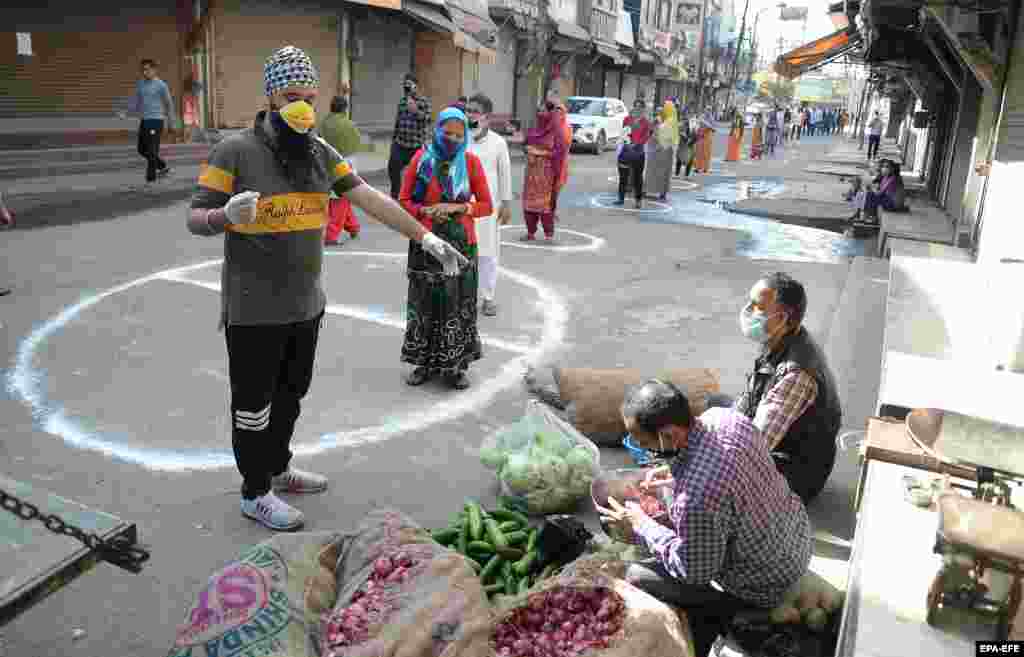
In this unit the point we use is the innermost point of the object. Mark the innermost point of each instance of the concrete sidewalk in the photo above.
(816, 179)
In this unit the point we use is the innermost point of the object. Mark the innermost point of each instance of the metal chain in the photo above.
(118, 550)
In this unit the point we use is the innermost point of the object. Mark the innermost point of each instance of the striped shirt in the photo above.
(736, 521)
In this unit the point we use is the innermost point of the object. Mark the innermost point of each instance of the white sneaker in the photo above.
(299, 481)
(273, 512)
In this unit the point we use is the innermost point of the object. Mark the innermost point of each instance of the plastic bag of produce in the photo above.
(403, 595)
(544, 465)
(268, 602)
(589, 612)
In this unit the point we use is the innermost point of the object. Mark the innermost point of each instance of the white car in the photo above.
(596, 122)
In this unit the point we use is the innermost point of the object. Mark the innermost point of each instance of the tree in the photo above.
(781, 91)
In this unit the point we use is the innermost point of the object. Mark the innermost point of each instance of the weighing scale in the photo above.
(981, 535)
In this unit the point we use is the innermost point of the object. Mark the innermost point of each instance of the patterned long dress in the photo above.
(441, 313)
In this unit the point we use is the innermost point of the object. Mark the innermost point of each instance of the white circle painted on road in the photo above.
(607, 202)
(677, 184)
(26, 382)
(593, 243)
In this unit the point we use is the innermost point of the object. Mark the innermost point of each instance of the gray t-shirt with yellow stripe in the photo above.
(272, 267)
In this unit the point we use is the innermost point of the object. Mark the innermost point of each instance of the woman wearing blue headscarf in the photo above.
(445, 188)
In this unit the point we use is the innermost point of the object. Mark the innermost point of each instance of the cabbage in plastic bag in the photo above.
(542, 462)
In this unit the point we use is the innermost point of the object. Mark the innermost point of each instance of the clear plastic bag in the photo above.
(544, 465)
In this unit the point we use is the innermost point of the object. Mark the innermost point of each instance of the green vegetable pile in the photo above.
(548, 472)
(500, 545)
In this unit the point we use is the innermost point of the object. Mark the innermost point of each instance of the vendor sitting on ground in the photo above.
(736, 522)
(791, 394)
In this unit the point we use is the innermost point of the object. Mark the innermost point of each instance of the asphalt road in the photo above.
(117, 387)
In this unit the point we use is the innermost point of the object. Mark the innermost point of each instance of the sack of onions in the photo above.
(570, 616)
(401, 593)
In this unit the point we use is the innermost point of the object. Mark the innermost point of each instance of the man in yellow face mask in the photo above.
(266, 190)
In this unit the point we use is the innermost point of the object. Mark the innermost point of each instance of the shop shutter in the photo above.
(242, 44)
(86, 71)
(377, 76)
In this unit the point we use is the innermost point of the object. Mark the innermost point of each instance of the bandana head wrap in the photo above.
(289, 67)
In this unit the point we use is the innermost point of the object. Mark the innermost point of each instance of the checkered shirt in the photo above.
(289, 67)
(737, 522)
(784, 403)
(412, 129)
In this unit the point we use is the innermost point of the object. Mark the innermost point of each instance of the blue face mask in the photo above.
(755, 327)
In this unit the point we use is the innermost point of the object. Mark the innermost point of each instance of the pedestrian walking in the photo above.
(492, 149)
(266, 191)
(7, 221)
(545, 161)
(787, 124)
(757, 138)
(874, 136)
(412, 131)
(632, 156)
(772, 130)
(704, 147)
(666, 139)
(339, 131)
(445, 188)
(733, 151)
(562, 114)
(687, 139)
(153, 103)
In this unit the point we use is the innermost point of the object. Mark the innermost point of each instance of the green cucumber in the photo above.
(511, 587)
(546, 573)
(524, 585)
(492, 568)
(506, 515)
(445, 536)
(475, 521)
(481, 546)
(531, 542)
(463, 539)
(495, 534)
(516, 538)
(510, 553)
(509, 526)
(497, 587)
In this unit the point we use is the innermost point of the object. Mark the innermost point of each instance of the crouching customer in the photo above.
(736, 522)
(791, 394)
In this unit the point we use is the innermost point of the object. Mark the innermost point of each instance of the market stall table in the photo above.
(891, 569)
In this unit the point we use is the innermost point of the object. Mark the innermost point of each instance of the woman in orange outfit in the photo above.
(732, 153)
(707, 133)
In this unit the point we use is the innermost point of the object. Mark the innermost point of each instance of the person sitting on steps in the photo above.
(888, 193)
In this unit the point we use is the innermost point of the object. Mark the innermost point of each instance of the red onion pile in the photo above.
(371, 604)
(561, 622)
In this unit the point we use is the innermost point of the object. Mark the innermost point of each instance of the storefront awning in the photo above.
(816, 54)
(572, 31)
(469, 44)
(618, 57)
(429, 15)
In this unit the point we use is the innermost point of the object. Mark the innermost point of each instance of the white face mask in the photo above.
(477, 131)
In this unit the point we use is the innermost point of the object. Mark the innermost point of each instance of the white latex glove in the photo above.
(449, 257)
(241, 208)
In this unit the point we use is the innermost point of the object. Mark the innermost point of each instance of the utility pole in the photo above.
(700, 55)
(736, 57)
